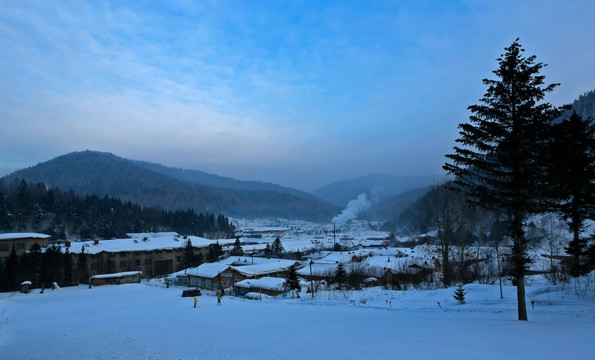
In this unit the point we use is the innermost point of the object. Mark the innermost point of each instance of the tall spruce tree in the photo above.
(215, 251)
(573, 185)
(11, 270)
(277, 248)
(82, 275)
(501, 163)
(293, 281)
(237, 248)
(68, 273)
(340, 275)
(188, 257)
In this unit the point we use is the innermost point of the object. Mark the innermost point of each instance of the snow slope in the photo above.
(150, 321)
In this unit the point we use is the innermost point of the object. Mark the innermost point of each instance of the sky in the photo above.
(299, 93)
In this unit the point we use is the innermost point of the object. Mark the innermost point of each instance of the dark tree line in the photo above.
(41, 268)
(64, 215)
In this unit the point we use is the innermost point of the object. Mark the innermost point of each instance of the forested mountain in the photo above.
(392, 207)
(99, 173)
(376, 187)
(203, 178)
(584, 106)
(28, 207)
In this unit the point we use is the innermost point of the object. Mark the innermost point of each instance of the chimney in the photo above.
(67, 243)
(95, 242)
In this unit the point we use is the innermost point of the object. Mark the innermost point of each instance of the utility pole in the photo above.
(311, 278)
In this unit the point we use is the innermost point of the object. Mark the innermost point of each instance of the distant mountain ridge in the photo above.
(377, 187)
(91, 172)
(207, 179)
(392, 207)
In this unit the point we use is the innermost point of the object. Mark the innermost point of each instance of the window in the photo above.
(147, 261)
(20, 246)
(3, 247)
(93, 266)
(122, 254)
(3, 259)
(111, 254)
(137, 262)
(122, 264)
(178, 258)
(157, 251)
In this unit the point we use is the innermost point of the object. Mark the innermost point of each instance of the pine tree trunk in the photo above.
(520, 266)
(520, 294)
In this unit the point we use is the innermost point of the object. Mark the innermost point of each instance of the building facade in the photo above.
(22, 242)
(156, 254)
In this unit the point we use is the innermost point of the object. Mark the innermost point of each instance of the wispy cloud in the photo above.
(272, 88)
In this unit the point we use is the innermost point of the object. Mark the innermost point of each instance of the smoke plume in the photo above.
(353, 208)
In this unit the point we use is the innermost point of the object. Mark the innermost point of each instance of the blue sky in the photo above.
(300, 93)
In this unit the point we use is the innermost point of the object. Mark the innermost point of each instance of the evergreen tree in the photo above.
(188, 257)
(267, 251)
(67, 264)
(277, 249)
(82, 275)
(215, 251)
(502, 165)
(293, 281)
(11, 270)
(459, 294)
(591, 255)
(340, 275)
(52, 266)
(573, 174)
(237, 248)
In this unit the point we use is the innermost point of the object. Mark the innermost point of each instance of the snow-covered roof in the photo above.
(115, 275)
(152, 235)
(271, 266)
(142, 242)
(342, 256)
(265, 283)
(245, 260)
(207, 270)
(261, 266)
(14, 236)
(318, 269)
(26, 282)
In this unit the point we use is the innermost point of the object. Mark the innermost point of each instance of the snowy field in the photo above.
(150, 321)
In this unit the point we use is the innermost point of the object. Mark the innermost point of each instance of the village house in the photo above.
(22, 242)
(226, 273)
(155, 254)
(266, 267)
(267, 285)
(210, 276)
(127, 277)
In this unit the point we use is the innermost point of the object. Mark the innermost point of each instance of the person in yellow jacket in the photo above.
(218, 299)
(195, 301)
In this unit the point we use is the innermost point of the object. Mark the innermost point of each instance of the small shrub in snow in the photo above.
(459, 294)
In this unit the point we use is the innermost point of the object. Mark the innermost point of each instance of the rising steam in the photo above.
(352, 209)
